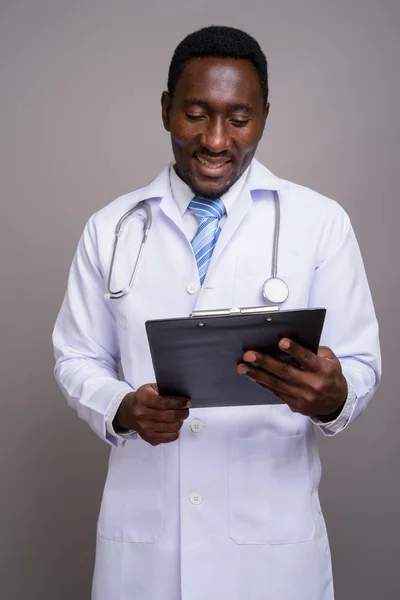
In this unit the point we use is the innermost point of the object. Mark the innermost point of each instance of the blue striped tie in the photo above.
(208, 213)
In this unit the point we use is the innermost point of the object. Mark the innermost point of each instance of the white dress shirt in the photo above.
(183, 195)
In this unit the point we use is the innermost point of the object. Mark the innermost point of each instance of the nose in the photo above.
(215, 137)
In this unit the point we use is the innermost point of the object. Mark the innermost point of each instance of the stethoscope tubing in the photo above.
(277, 226)
(147, 221)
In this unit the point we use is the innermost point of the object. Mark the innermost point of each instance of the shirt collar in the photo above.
(183, 195)
(258, 178)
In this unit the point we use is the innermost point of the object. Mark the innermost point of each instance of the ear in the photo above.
(266, 112)
(165, 109)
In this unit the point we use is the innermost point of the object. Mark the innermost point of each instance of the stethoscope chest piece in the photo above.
(275, 290)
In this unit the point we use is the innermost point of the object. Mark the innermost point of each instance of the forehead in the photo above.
(221, 80)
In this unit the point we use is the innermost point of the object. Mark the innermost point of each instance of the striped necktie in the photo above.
(208, 213)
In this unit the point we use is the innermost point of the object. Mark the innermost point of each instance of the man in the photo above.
(218, 503)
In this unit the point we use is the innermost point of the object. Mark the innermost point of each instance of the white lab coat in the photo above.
(230, 510)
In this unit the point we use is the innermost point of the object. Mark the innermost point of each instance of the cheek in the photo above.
(182, 141)
(182, 132)
(181, 151)
(246, 147)
(247, 139)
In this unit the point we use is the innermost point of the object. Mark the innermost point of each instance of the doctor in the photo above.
(215, 504)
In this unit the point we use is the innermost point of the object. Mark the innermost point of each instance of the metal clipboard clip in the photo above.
(222, 312)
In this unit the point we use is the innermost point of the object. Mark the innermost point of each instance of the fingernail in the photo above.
(242, 369)
(189, 404)
(251, 357)
(285, 345)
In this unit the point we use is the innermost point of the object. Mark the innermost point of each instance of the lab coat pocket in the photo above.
(251, 274)
(270, 494)
(132, 505)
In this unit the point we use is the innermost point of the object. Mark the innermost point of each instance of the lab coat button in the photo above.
(196, 498)
(192, 287)
(196, 426)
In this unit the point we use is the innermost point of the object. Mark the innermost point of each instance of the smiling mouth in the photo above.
(212, 164)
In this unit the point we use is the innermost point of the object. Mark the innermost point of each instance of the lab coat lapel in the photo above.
(171, 210)
(160, 187)
(259, 178)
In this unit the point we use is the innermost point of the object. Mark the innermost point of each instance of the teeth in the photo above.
(210, 165)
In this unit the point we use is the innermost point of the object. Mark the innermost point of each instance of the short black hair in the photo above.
(218, 41)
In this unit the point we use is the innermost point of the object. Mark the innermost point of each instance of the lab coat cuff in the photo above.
(114, 437)
(333, 427)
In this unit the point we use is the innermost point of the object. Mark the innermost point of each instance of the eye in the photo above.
(193, 117)
(239, 123)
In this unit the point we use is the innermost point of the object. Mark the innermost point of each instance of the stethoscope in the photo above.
(274, 290)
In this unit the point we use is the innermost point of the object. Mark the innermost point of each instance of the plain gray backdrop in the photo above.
(80, 84)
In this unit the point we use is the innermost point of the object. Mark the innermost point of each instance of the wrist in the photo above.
(123, 420)
(332, 416)
(335, 414)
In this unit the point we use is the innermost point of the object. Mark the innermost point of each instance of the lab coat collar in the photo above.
(159, 187)
(258, 178)
(261, 178)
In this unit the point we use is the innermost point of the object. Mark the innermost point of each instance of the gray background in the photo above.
(79, 125)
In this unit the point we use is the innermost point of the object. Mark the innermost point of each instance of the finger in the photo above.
(163, 438)
(286, 398)
(306, 359)
(167, 427)
(164, 416)
(280, 368)
(167, 402)
(294, 403)
(268, 380)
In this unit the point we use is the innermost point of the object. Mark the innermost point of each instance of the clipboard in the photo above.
(196, 357)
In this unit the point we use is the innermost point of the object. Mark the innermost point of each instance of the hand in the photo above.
(318, 388)
(157, 419)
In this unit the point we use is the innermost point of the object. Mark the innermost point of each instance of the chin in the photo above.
(212, 191)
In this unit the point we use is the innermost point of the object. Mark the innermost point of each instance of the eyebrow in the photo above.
(233, 107)
(245, 107)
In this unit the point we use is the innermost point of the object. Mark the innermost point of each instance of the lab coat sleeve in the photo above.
(351, 329)
(85, 342)
(332, 427)
(128, 434)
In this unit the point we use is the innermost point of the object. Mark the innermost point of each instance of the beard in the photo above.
(197, 191)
